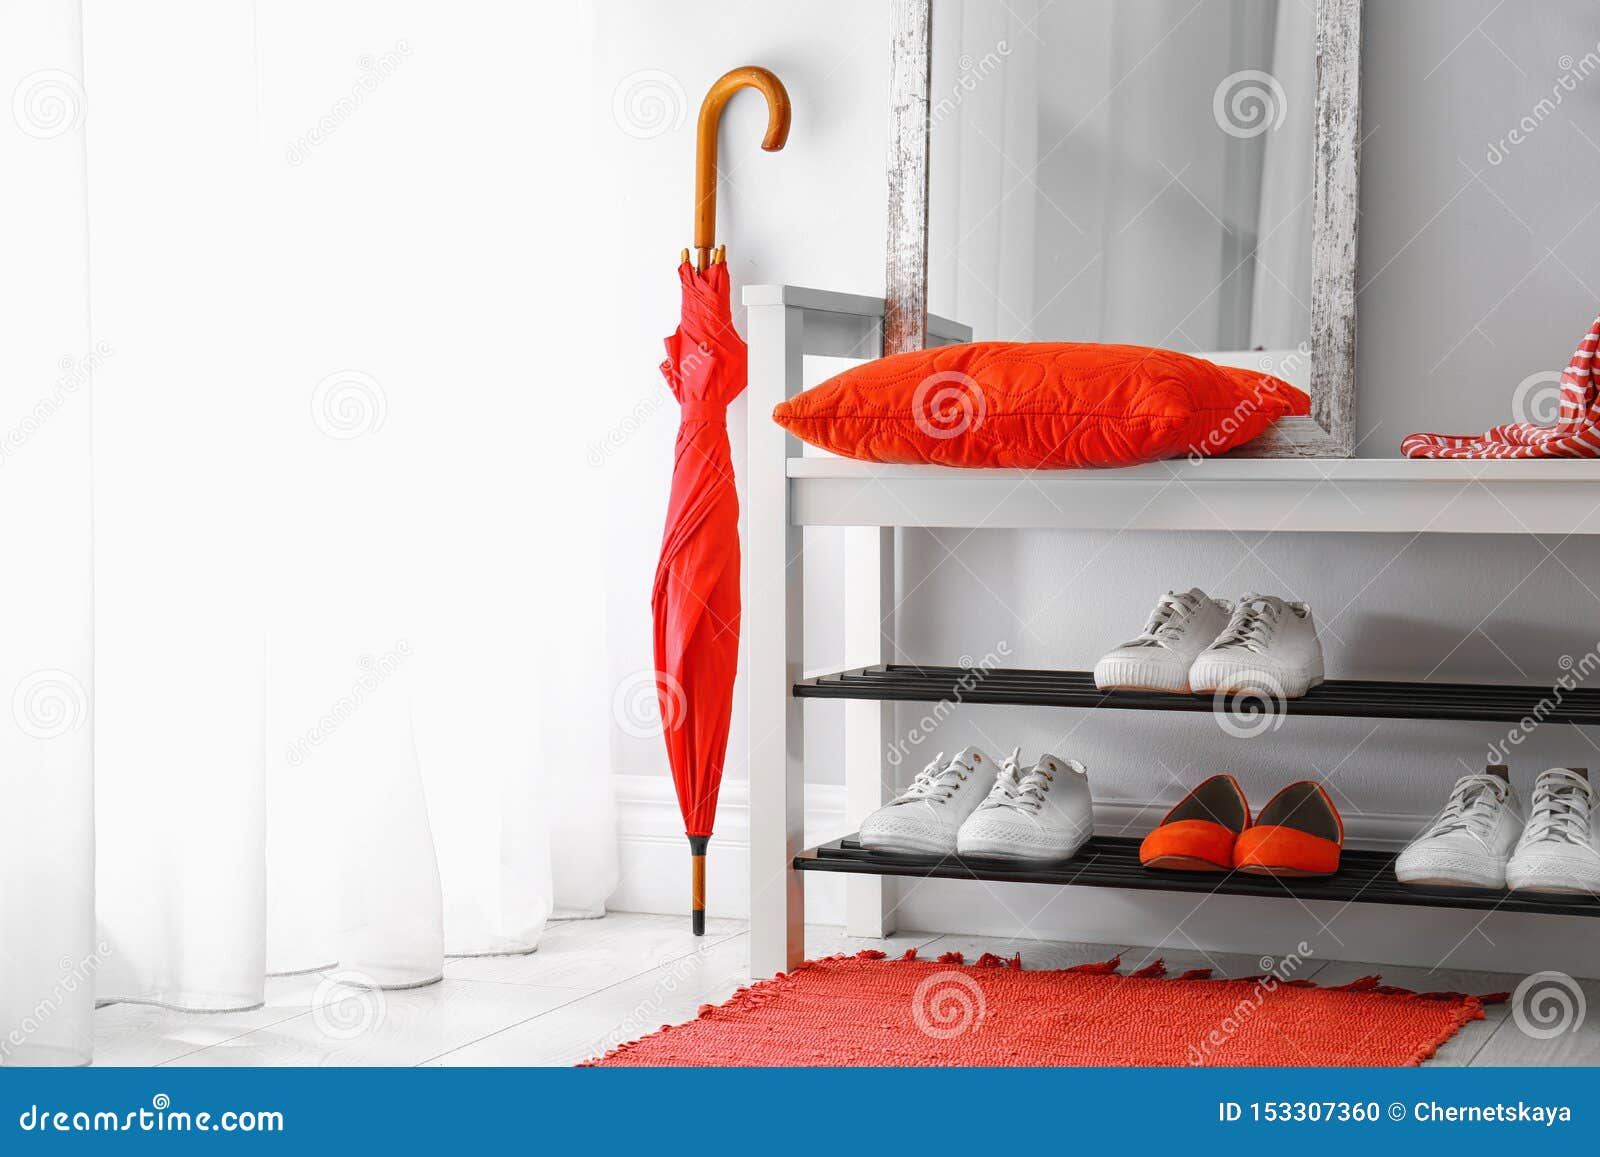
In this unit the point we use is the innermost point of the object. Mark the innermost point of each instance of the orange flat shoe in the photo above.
(1198, 834)
(1298, 833)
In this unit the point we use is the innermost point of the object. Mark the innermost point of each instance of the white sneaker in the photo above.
(1181, 626)
(1041, 812)
(1559, 850)
(1468, 843)
(1269, 645)
(928, 814)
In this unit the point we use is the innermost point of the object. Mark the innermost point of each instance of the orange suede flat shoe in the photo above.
(1298, 833)
(1198, 834)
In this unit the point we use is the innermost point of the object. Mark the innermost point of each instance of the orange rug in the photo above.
(864, 1010)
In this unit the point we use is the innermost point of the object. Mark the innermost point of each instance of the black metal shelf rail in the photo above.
(1360, 698)
(1366, 877)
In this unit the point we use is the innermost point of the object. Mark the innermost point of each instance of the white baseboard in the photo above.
(655, 853)
(655, 878)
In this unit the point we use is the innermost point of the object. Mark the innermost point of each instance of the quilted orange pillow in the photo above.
(1038, 405)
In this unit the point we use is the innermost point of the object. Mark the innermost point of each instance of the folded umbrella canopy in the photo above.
(696, 596)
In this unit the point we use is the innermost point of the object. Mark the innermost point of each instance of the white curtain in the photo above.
(48, 951)
(349, 683)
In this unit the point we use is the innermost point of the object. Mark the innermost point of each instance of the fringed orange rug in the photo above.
(864, 1010)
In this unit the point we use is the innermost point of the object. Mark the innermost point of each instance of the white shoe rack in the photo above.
(786, 492)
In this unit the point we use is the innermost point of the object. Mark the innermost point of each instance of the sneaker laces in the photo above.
(1560, 809)
(1167, 620)
(1017, 789)
(937, 782)
(1251, 626)
(1473, 806)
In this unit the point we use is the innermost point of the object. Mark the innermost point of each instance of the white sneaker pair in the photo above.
(1480, 839)
(1194, 642)
(970, 807)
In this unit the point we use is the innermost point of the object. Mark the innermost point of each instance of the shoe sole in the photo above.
(997, 851)
(1559, 885)
(1243, 681)
(1290, 873)
(1427, 881)
(1455, 871)
(911, 837)
(905, 847)
(1184, 864)
(1139, 675)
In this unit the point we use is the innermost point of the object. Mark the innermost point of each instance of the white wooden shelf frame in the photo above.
(785, 324)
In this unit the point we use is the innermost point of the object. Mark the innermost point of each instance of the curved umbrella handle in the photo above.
(705, 147)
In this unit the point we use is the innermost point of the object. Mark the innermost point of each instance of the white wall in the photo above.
(1461, 300)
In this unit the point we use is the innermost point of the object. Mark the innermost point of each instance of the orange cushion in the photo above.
(1267, 846)
(1037, 405)
(1192, 839)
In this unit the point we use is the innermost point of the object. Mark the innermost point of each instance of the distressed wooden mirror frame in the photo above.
(1330, 430)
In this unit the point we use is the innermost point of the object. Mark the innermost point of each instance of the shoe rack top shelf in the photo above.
(1357, 698)
(1113, 862)
(1245, 495)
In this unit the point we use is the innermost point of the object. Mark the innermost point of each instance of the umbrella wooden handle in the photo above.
(705, 146)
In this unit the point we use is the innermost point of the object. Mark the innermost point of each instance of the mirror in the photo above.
(1151, 174)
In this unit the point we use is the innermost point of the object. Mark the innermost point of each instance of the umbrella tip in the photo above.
(682, 257)
(697, 893)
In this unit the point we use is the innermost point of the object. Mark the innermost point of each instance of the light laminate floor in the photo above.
(594, 984)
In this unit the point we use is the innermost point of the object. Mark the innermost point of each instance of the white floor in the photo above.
(594, 984)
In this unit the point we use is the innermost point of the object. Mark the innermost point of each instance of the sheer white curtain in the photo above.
(350, 679)
(48, 950)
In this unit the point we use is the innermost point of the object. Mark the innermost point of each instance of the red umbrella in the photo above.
(696, 596)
